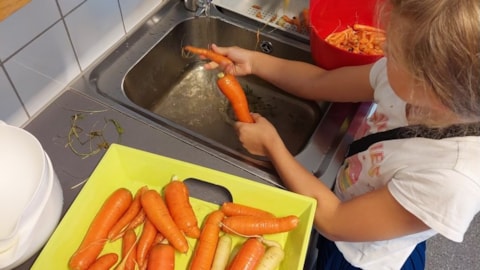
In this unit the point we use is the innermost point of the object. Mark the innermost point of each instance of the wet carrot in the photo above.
(232, 89)
(251, 225)
(95, 238)
(236, 209)
(145, 242)
(207, 243)
(117, 230)
(157, 212)
(104, 262)
(178, 202)
(249, 255)
(129, 251)
(162, 257)
(211, 55)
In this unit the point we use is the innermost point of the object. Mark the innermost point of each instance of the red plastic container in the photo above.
(328, 16)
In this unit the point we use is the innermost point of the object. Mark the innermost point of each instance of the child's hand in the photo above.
(257, 137)
(240, 57)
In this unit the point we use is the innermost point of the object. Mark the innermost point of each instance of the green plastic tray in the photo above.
(131, 168)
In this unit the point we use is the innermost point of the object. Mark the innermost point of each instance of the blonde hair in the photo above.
(438, 41)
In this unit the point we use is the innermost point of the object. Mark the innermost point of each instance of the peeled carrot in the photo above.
(104, 262)
(251, 225)
(117, 231)
(211, 55)
(207, 243)
(145, 242)
(232, 89)
(157, 211)
(162, 257)
(178, 203)
(222, 252)
(249, 255)
(129, 251)
(236, 209)
(95, 238)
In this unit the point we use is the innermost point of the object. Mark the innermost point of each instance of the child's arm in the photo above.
(370, 217)
(348, 84)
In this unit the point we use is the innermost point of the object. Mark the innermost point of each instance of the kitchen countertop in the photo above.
(54, 123)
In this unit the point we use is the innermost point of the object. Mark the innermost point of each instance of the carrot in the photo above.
(95, 238)
(137, 220)
(157, 211)
(178, 203)
(249, 255)
(129, 251)
(232, 89)
(162, 257)
(104, 262)
(211, 55)
(158, 238)
(273, 256)
(145, 241)
(222, 252)
(359, 38)
(135, 207)
(207, 243)
(236, 209)
(251, 225)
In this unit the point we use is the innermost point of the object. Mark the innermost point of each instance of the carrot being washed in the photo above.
(157, 212)
(249, 255)
(251, 225)
(207, 243)
(178, 202)
(96, 237)
(162, 257)
(117, 230)
(209, 54)
(236, 209)
(232, 89)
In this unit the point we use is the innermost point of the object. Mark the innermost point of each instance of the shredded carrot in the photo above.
(360, 39)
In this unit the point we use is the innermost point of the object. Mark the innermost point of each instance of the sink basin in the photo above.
(177, 87)
(148, 77)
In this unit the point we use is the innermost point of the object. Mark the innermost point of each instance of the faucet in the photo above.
(199, 6)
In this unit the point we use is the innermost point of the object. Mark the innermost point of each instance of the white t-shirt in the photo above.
(436, 180)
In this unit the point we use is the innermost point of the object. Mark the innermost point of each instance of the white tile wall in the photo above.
(47, 43)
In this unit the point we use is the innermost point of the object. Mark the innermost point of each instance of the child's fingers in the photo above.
(211, 65)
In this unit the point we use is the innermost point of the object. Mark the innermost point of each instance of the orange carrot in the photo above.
(162, 257)
(205, 250)
(137, 220)
(249, 255)
(251, 225)
(129, 251)
(135, 207)
(236, 209)
(145, 242)
(211, 55)
(95, 238)
(157, 211)
(232, 89)
(178, 203)
(104, 262)
(158, 238)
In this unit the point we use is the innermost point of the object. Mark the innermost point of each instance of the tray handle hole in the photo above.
(207, 191)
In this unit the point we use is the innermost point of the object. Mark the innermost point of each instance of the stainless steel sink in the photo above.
(148, 77)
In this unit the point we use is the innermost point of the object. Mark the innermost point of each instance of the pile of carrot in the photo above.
(166, 218)
(359, 39)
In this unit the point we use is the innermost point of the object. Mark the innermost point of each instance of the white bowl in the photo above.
(36, 219)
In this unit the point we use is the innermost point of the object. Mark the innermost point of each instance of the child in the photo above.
(390, 198)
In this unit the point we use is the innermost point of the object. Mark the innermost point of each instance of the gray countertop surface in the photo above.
(54, 123)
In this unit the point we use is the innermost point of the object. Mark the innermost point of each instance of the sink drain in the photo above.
(266, 47)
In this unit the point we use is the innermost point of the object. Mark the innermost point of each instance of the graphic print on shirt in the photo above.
(375, 123)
